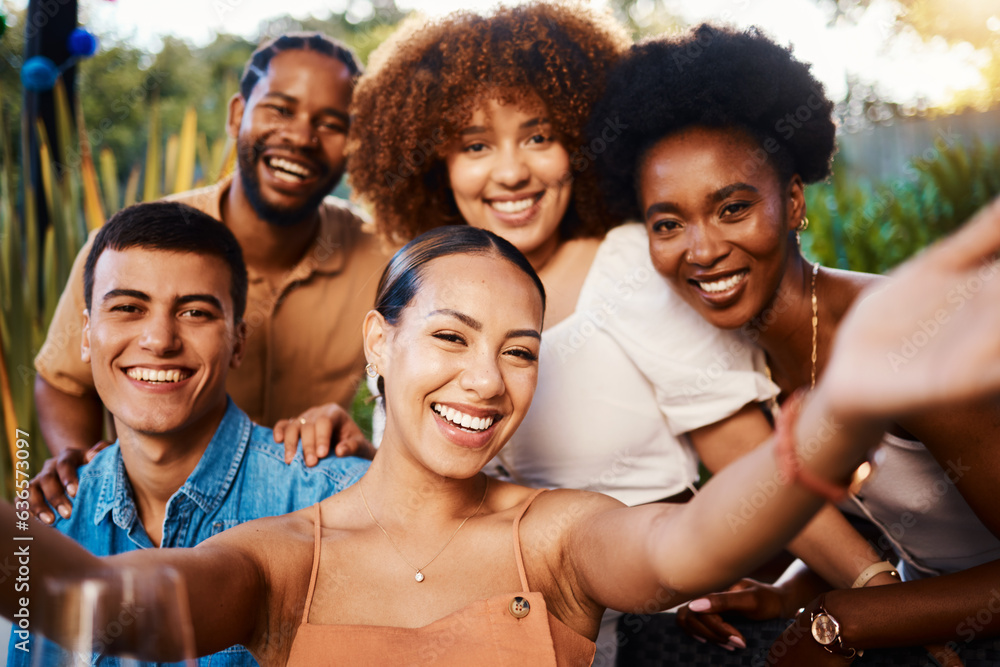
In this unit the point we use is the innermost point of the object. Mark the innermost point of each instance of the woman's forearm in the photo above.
(750, 510)
(959, 607)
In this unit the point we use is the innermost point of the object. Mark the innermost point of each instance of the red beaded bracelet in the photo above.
(788, 461)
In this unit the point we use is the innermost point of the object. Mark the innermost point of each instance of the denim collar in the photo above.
(207, 484)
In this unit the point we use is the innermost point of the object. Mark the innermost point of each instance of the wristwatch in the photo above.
(826, 631)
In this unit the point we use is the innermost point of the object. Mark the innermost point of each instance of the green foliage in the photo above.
(860, 225)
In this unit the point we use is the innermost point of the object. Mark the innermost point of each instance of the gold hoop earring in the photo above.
(804, 225)
(371, 370)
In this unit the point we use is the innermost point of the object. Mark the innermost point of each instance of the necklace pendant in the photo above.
(419, 576)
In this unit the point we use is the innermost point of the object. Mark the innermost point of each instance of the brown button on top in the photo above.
(519, 607)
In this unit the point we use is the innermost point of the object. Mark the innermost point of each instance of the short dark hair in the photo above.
(400, 280)
(714, 77)
(256, 67)
(175, 227)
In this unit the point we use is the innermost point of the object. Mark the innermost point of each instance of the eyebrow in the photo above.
(181, 300)
(131, 293)
(475, 324)
(717, 196)
(479, 129)
(325, 110)
(203, 298)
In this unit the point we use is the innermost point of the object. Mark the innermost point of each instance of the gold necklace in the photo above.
(419, 576)
(815, 325)
(815, 330)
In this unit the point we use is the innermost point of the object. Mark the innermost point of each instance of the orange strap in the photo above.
(517, 540)
(315, 567)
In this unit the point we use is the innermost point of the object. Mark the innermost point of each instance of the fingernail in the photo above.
(733, 639)
(46, 517)
(728, 647)
(311, 461)
(63, 511)
(701, 604)
(71, 489)
(700, 639)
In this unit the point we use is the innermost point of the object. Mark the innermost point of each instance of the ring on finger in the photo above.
(302, 420)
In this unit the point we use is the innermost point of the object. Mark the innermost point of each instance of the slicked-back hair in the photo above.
(401, 278)
(713, 77)
(260, 60)
(172, 227)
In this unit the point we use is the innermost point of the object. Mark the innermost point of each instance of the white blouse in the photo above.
(623, 378)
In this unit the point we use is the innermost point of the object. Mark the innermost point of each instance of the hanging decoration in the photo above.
(39, 73)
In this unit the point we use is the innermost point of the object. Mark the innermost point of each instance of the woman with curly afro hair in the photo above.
(724, 129)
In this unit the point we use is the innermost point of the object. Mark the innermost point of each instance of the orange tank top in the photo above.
(512, 629)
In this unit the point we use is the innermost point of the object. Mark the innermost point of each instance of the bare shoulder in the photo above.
(839, 289)
(554, 515)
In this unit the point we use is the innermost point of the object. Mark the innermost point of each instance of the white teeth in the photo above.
(462, 419)
(723, 285)
(287, 170)
(513, 206)
(153, 375)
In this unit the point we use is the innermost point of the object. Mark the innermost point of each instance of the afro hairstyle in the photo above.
(713, 77)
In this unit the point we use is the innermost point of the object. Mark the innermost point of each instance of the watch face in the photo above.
(825, 629)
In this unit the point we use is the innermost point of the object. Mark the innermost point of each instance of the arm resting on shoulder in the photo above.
(68, 422)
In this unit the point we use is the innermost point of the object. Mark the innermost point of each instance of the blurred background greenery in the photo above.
(148, 124)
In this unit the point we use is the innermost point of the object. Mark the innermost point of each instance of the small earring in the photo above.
(371, 370)
(804, 225)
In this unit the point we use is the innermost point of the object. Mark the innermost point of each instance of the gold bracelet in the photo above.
(872, 570)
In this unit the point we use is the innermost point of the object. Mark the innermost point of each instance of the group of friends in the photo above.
(602, 231)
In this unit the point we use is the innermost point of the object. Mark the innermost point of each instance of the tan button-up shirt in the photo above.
(304, 343)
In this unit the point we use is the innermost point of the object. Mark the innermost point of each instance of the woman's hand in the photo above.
(758, 601)
(318, 427)
(928, 337)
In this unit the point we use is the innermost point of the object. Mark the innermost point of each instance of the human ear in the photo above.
(375, 338)
(85, 338)
(239, 344)
(796, 202)
(237, 105)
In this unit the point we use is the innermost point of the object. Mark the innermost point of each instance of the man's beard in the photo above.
(247, 156)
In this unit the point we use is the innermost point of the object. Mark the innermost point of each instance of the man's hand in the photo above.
(57, 479)
(318, 427)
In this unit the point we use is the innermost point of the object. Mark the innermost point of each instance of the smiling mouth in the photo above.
(721, 285)
(158, 376)
(462, 420)
(288, 171)
(514, 206)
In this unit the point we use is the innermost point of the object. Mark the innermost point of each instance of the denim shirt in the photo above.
(241, 476)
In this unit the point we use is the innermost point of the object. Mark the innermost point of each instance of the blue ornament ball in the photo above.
(39, 73)
(82, 43)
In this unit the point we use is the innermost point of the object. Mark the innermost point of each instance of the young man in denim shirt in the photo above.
(165, 289)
